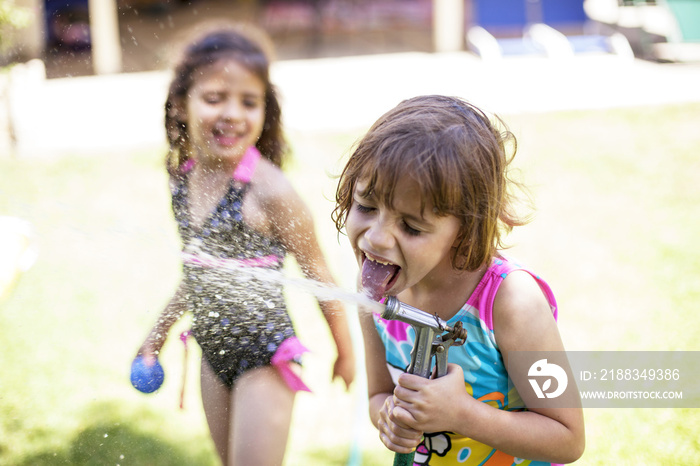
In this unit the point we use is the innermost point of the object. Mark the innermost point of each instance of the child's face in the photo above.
(418, 244)
(225, 110)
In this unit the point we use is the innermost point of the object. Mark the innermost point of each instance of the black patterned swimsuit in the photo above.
(238, 321)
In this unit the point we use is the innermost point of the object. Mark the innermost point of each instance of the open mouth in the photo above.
(226, 138)
(378, 277)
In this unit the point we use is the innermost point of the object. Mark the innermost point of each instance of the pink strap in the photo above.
(246, 167)
(285, 354)
(485, 293)
(243, 172)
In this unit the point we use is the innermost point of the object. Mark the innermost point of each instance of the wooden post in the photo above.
(448, 25)
(104, 35)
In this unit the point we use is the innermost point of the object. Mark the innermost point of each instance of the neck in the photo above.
(213, 164)
(444, 296)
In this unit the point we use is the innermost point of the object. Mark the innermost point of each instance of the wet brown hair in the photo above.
(229, 42)
(458, 157)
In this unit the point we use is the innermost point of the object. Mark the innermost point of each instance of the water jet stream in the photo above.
(322, 291)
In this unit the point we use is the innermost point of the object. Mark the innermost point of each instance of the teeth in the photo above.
(380, 262)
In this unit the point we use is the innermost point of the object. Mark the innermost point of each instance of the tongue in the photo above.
(375, 278)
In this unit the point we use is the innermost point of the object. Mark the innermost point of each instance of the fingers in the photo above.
(410, 401)
(399, 445)
(418, 405)
(455, 370)
(399, 439)
(394, 433)
(403, 417)
(147, 354)
(411, 381)
(416, 383)
(149, 358)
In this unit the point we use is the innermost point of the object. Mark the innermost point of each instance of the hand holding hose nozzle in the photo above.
(433, 338)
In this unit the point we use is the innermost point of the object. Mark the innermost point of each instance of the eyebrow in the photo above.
(256, 93)
(422, 220)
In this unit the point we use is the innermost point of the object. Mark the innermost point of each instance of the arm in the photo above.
(395, 435)
(175, 308)
(295, 228)
(522, 322)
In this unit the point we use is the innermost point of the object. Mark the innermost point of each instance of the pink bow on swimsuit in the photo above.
(287, 351)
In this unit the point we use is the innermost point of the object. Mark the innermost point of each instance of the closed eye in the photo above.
(363, 208)
(213, 98)
(252, 102)
(410, 230)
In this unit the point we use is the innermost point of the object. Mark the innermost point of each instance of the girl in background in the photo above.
(234, 206)
(425, 201)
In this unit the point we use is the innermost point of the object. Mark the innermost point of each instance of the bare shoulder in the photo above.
(270, 181)
(521, 312)
(274, 191)
(520, 290)
(286, 212)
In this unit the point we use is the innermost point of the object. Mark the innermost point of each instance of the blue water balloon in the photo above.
(145, 378)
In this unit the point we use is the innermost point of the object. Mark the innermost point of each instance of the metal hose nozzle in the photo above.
(396, 310)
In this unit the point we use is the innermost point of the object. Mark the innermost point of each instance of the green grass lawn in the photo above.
(614, 233)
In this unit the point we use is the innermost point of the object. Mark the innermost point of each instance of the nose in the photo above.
(379, 235)
(232, 110)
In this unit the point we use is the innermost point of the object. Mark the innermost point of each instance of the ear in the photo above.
(176, 118)
(177, 109)
(460, 236)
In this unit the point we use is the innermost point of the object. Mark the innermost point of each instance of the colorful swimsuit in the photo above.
(485, 376)
(239, 321)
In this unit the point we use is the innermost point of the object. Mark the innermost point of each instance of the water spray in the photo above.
(322, 291)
